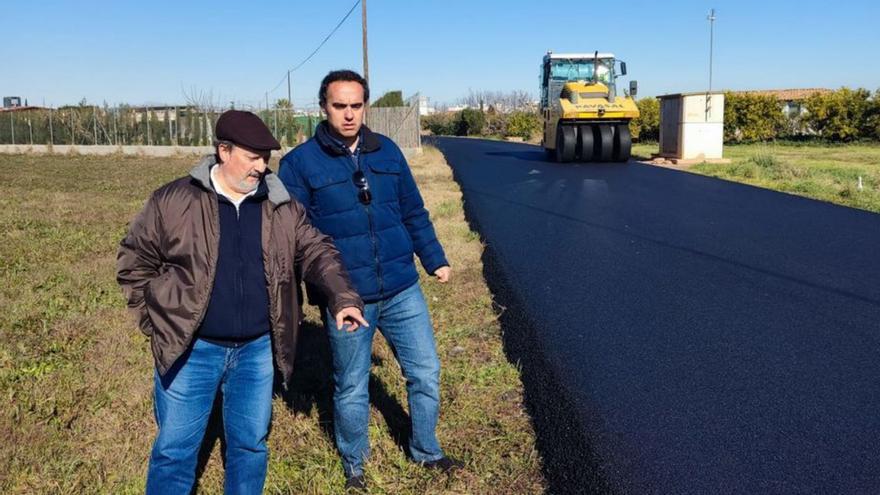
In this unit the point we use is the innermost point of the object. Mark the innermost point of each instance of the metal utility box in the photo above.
(692, 125)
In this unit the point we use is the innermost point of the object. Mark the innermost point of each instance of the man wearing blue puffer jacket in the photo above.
(358, 189)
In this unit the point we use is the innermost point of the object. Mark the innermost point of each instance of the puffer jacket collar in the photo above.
(332, 146)
(201, 173)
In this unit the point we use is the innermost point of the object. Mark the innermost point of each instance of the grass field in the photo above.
(827, 172)
(75, 375)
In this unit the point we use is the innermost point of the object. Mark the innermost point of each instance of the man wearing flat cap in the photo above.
(208, 270)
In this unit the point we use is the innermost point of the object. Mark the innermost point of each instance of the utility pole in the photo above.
(711, 19)
(364, 26)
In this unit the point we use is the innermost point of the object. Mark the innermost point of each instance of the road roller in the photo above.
(584, 117)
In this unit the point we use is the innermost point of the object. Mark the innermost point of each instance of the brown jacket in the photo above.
(166, 265)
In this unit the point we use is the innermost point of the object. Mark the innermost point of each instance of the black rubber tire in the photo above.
(585, 141)
(604, 136)
(622, 143)
(566, 143)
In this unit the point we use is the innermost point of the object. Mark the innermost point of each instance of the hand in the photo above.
(350, 319)
(443, 273)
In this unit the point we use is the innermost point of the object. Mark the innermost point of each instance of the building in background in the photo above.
(11, 101)
(792, 99)
(425, 107)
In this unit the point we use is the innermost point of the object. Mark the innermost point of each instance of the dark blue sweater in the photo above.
(239, 307)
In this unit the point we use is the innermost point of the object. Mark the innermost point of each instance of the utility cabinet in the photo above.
(691, 125)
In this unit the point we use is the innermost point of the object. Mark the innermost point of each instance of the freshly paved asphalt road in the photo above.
(682, 334)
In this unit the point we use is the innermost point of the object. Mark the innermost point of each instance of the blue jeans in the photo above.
(406, 325)
(183, 403)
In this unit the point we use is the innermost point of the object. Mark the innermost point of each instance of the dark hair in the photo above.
(342, 75)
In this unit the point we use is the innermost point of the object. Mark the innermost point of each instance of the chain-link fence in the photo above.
(128, 125)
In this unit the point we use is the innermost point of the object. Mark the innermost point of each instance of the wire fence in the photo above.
(129, 125)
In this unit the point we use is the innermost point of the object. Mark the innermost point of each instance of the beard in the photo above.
(246, 186)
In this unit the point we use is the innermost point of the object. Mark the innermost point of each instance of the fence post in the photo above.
(418, 121)
(12, 125)
(51, 130)
(30, 129)
(95, 122)
(147, 118)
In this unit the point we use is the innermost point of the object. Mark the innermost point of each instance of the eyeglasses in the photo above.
(360, 180)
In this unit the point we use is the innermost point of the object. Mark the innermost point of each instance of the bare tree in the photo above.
(497, 100)
(202, 102)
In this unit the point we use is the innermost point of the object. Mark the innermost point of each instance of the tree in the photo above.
(390, 99)
(499, 100)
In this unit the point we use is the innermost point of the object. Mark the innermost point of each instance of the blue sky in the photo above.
(148, 52)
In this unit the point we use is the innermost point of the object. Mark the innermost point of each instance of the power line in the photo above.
(328, 36)
(283, 78)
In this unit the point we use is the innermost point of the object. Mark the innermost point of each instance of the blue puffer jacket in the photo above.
(377, 241)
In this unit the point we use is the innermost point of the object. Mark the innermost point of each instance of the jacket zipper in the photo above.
(375, 252)
(372, 236)
(239, 269)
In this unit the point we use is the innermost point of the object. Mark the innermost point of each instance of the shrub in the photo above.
(752, 117)
(841, 115)
(441, 124)
(523, 124)
(470, 122)
(495, 123)
(873, 127)
(646, 127)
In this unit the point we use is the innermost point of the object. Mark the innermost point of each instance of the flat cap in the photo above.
(245, 129)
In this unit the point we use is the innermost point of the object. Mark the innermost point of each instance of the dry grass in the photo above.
(76, 376)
